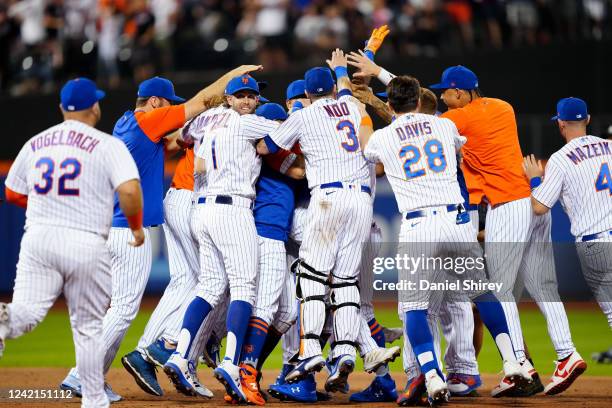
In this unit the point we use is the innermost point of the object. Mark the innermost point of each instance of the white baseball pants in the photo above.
(57, 260)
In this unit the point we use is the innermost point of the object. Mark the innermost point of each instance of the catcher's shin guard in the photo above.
(345, 305)
(310, 290)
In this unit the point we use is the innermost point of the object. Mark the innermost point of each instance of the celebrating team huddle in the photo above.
(270, 233)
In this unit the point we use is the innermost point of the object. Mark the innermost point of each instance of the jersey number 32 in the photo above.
(70, 169)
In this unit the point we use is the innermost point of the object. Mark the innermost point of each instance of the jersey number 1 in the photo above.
(604, 179)
(72, 169)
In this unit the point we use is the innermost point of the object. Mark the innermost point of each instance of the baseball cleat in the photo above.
(72, 382)
(112, 395)
(4, 318)
(392, 333)
(305, 367)
(211, 356)
(339, 370)
(602, 357)
(228, 374)
(517, 372)
(287, 368)
(378, 357)
(415, 392)
(437, 390)
(382, 389)
(505, 388)
(301, 391)
(183, 375)
(250, 385)
(529, 389)
(143, 373)
(157, 353)
(463, 384)
(566, 372)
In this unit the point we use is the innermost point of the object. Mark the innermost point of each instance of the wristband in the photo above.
(135, 221)
(385, 76)
(367, 121)
(535, 181)
(370, 54)
(341, 72)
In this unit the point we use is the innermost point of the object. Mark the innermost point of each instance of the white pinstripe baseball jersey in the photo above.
(327, 131)
(419, 155)
(580, 175)
(227, 145)
(70, 172)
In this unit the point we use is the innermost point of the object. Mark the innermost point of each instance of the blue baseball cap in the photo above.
(242, 83)
(296, 89)
(319, 81)
(160, 87)
(271, 111)
(457, 77)
(263, 99)
(80, 94)
(571, 109)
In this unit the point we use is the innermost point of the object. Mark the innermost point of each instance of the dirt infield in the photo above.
(586, 392)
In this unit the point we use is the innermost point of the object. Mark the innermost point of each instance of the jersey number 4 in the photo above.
(436, 161)
(70, 168)
(604, 179)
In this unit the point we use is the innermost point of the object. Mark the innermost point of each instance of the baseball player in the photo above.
(579, 176)
(66, 177)
(144, 131)
(159, 339)
(273, 210)
(340, 215)
(418, 152)
(228, 257)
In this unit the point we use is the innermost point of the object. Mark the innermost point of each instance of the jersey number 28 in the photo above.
(604, 179)
(434, 152)
(70, 168)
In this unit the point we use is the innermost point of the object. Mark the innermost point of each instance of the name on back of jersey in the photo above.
(589, 151)
(414, 129)
(337, 110)
(59, 138)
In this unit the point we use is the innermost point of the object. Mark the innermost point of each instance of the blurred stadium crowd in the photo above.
(42, 42)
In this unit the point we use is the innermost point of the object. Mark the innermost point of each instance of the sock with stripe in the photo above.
(254, 341)
(493, 317)
(377, 332)
(269, 345)
(421, 340)
(238, 315)
(195, 314)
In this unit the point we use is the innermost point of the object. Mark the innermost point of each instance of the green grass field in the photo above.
(50, 344)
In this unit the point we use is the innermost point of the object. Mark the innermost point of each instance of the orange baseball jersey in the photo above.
(183, 175)
(492, 157)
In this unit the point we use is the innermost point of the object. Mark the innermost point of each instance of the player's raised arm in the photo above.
(212, 92)
(338, 63)
(365, 95)
(368, 68)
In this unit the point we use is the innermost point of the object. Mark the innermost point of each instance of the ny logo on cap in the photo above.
(245, 79)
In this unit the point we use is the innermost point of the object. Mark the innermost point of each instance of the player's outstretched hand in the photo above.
(246, 69)
(367, 67)
(139, 238)
(533, 167)
(377, 38)
(338, 59)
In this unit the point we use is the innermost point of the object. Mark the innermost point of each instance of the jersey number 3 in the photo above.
(436, 161)
(604, 179)
(71, 169)
(346, 126)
